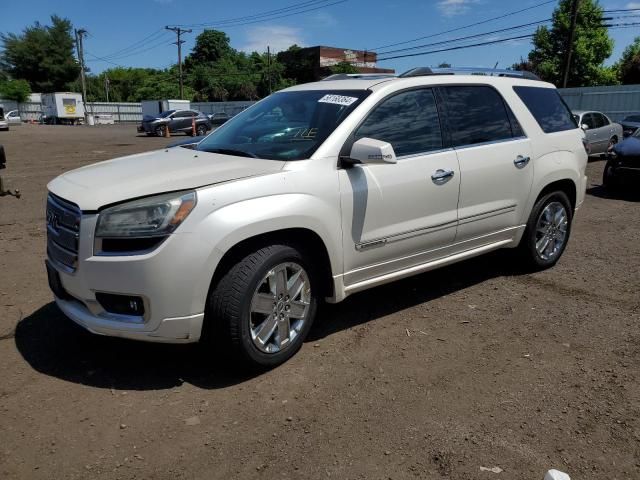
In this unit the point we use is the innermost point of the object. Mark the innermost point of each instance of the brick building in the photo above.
(314, 63)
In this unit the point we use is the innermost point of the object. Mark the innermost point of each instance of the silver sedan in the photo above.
(601, 132)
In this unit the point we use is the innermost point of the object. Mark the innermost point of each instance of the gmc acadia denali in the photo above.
(316, 192)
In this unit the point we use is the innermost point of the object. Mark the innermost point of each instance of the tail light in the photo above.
(586, 145)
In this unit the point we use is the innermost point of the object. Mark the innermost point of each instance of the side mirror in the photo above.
(369, 150)
(584, 126)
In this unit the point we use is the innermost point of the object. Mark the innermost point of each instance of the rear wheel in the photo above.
(547, 231)
(609, 179)
(201, 130)
(263, 306)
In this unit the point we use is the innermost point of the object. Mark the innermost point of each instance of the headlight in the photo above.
(148, 217)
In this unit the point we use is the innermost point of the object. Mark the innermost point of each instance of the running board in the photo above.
(424, 267)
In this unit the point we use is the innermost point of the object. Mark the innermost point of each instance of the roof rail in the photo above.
(422, 71)
(358, 76)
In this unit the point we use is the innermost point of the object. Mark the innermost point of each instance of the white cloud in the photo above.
(277, 37)
(324, 19)
(450, 8)
(633, 5)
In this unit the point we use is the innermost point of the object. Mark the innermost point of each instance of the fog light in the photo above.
(121, 304)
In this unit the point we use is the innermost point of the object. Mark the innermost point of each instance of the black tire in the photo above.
(528, 253)
(609, 180)
(201, 130)
(160, 131)
(228, 322)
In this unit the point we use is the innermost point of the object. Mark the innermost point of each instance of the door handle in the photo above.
(521, 162)
(441, 177)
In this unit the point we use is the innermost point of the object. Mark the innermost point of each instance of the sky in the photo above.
(130, 32)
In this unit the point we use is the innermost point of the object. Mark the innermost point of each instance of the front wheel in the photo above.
(263, 306)
(547, 231)
(609, 179)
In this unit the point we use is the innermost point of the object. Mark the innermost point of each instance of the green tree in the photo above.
(269, 74)
(629, 64)
(298, 64)
(343, 67)
(591, 46)
(444, 65)
(17, 90)
(211, 46)
(42, 55)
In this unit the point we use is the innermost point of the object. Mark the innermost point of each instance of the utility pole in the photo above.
(575, 4)
(269, 67)
(106, 87)
(79, 48)
(179, 31)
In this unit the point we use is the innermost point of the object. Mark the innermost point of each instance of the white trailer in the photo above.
(156, 107)
(62, 107)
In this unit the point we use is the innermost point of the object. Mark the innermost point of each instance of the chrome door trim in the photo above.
(487, 214)
(396, 237)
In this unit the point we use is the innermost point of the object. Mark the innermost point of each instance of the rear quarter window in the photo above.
(547, 107)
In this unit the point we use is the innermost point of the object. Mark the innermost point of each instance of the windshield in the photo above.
(285, 125)
(166, 114)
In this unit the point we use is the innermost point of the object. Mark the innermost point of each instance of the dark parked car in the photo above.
(630, 124)
(176, 121)
(218, 118)
(623, 165)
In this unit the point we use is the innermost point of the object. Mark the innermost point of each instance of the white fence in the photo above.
(122, 112)
(616, 101)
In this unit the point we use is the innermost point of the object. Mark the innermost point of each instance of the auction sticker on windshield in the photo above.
(338, 99)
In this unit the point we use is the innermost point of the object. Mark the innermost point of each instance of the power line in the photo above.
(477, 35)
(460, 47)
(203, 26)
(135, 48)
(101, 59)
(502, 40)
(162, 43)
(258, 15)
(140, 43)
(620, 10)
(466, 26)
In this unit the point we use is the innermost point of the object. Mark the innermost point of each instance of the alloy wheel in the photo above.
(551, 231)
(280, 307)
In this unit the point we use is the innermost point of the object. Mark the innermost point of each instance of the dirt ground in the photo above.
(476, 365)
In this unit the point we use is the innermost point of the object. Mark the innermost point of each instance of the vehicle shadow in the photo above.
(622, 193)
(55, 346)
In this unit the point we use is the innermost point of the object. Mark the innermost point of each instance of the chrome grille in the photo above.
(63, 232)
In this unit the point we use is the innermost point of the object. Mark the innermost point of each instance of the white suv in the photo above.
(316, 192)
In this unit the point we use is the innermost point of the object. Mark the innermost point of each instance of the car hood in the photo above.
(174, 169)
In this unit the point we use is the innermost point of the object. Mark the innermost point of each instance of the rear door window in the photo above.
(408, 121)
(589, 120)
(477, 114)
(600, 120)
(547, 107)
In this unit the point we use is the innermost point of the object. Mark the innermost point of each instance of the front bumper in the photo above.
(165, 278)
(169, 330)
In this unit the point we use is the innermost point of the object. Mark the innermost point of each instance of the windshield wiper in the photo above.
(231, 151)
